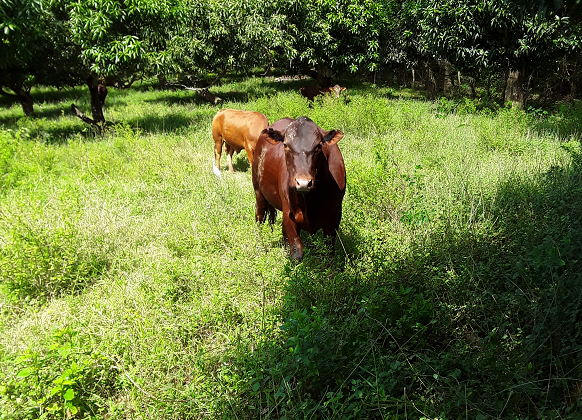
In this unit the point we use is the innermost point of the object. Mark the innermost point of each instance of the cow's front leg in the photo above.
(291, 233)
(329, 236)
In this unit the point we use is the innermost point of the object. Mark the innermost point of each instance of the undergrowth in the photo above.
(135, 284)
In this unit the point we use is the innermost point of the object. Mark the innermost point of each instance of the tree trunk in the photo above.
(447, 72)
(430, 82)
(413, 78)
(472, 86)
(162, 81)
(96, 104)
(514, 90)
(322, 75)
(24, 97)
(26, 102)
(98, 121)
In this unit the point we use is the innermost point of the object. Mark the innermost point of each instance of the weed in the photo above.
(39, 263)
(67, 379)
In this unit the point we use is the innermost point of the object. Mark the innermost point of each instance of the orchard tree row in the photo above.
(525, 43)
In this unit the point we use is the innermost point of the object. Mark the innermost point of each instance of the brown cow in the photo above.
(239, 130)
(299, 169)
(102, 93)
(311, 92)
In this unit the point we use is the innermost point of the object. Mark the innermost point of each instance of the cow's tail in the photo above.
(272, 214)
(216, 170)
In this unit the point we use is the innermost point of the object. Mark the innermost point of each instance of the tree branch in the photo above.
(8, 95)
(204, 92)
(86, 119)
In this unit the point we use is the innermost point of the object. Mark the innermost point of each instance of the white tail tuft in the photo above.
(216, 170)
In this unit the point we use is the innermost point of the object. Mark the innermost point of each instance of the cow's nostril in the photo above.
(303, 184)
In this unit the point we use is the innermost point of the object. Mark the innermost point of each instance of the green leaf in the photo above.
(55, 390)
(69, 395)
(25, 372)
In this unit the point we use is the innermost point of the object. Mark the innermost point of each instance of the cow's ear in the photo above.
(332, 137)
(272, 136)
(342, 89)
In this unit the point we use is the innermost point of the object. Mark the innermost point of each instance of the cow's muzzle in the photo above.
(303, 185)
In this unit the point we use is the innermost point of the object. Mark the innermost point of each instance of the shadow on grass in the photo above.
(52, 95)
(178, 98)
(242, 163)
(467, 323)
(165, 124)
(566, 120)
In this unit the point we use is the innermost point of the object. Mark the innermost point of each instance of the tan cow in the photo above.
(238, 130)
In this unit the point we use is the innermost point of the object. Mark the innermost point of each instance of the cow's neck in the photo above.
(299, 209)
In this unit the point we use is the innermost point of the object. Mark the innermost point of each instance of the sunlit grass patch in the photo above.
(456, 259)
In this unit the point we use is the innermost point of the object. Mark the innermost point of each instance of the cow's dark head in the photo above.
(302, 141)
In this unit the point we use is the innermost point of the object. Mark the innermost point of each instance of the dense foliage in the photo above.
(514, 48)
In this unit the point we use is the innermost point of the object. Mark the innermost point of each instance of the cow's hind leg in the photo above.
(218, 150)
(229, 152)
(250, 153)
(272, 214)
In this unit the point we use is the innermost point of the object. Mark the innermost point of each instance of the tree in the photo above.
(22, 40)
(490, 37)
(215, 36)
(334, 36)
(110, 38)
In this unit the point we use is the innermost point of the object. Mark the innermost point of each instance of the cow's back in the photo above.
(240, 129)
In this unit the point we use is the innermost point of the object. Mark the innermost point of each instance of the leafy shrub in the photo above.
(65, 379)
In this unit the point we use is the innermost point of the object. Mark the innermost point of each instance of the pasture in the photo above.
(135, 284)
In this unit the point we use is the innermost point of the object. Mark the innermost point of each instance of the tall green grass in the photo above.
(135, 284)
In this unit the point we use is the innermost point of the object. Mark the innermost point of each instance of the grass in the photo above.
(135, 284)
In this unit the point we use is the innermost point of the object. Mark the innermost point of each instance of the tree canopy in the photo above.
(84, 41)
